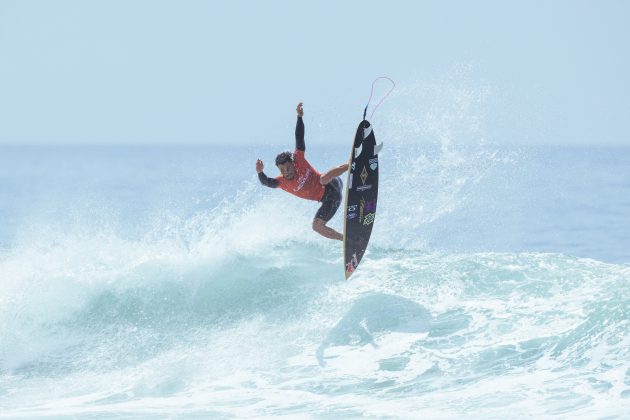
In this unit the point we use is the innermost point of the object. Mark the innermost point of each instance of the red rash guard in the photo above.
(305, 183)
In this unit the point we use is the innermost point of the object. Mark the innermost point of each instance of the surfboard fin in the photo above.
(378, 148)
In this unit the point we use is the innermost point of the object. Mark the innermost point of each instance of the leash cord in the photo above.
(382, 99)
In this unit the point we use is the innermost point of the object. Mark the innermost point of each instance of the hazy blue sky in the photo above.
(85, 72)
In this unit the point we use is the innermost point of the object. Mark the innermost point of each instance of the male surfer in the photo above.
(299, 178)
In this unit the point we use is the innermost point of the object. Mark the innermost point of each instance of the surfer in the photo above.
(299, 178)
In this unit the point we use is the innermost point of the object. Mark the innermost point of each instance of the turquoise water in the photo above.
(165, 281)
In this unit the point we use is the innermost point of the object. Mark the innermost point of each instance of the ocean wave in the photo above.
(411, 322)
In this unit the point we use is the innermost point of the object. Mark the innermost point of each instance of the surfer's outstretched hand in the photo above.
(300, 110)
(259, 166)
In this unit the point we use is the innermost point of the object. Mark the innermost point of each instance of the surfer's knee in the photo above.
(318, 224)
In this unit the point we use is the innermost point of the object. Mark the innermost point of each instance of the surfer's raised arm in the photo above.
(264, 179)
(299, 129)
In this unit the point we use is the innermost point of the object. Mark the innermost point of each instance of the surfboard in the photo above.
(361, 196)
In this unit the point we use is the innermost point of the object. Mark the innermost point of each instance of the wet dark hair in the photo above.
(284, 157)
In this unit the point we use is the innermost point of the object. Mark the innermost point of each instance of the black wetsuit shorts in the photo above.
(331, 200)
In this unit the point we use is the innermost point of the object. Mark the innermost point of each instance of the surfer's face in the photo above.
(287, 170)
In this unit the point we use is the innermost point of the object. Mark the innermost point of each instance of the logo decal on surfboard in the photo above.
(364, 175)
(352, 264)
(361, 207)
(368, 219)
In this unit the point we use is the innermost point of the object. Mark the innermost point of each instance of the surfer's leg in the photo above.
(330, 204)
(331, 174)
(320, 227)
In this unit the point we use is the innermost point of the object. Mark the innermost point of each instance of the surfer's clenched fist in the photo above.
(300, 110)
(259, 166)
